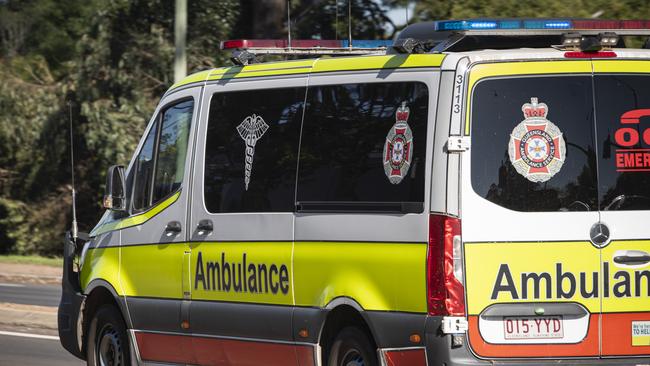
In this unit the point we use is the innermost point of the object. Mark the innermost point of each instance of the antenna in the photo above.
(289, 23)
(407, 12)
(350, 23)
(74, 194)
(336, 29)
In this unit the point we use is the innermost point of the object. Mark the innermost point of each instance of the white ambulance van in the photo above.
(475, 193)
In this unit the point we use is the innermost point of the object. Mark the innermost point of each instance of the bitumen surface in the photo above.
(26, 347)
(34, 352)
(26, 294)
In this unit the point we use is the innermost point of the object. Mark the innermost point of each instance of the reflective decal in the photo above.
(630, 156)
(398, 149)
(536, 148)
(251, 130)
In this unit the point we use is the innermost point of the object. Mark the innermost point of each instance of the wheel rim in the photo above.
(109, 347)
(353, 358)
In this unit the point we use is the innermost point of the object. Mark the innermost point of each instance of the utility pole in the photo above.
(180, 38)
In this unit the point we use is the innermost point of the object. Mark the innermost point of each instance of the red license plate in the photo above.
(539, 327)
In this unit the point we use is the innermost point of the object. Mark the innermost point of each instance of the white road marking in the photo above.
(10, 285)
(29, 335)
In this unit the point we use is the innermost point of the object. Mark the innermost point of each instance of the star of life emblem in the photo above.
(251, 130)
(537, 149)
(398, 148)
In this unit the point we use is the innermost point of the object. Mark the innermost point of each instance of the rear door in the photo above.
(623, 128)
(529, 199)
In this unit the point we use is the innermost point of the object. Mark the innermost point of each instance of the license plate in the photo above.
(539, 327)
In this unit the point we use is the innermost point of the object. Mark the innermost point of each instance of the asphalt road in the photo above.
(42, 295)
(34, 352)
(30, 349)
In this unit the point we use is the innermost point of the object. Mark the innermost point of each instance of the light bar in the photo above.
(303, 44)
(548, 24)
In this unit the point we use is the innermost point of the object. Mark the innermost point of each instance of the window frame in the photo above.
(368, 207)
(157, 121)
(470, 94)
(210, 95)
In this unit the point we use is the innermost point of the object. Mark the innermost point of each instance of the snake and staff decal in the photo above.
(251, 130)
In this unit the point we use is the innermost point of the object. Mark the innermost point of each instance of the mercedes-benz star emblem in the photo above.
(599, 234)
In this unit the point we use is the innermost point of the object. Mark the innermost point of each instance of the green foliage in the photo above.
(109, 62)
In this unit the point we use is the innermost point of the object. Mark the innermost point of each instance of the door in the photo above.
(153, 237)
(529, 200)
(623, 130)
(242, 223)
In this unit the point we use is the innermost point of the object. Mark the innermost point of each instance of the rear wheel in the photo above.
(108, 343)
(352, 347)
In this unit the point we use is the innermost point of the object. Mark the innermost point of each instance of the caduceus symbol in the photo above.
(251, 130)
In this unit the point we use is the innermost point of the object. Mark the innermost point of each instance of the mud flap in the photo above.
(70, 304)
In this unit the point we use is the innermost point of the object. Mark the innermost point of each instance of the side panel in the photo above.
(377, 260)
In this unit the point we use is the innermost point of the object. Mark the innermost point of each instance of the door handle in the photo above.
(632, 257)
(204, 227)
(173, 227)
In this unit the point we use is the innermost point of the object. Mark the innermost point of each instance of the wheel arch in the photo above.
(342, 312)
(98, 293)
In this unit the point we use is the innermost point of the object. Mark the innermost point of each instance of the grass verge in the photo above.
(31, 259)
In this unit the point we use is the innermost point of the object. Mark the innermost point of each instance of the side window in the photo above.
(363, 147)
(623, 121)
(143, 171)
(533, 143)
(158, 169)
(251, 149)
(172, 149)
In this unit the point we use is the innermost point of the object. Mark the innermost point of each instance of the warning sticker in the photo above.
(641, 333)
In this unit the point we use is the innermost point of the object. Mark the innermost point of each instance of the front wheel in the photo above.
(352, 347)
(108, 343)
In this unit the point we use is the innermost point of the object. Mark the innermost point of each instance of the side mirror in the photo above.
(115, 196)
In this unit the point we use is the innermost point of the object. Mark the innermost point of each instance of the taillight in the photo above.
(445, 291)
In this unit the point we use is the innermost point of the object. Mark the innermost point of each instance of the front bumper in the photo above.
(71, 303)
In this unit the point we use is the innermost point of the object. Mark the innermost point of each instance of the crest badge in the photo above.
(537, 149)
(251, 130)
(398, 148)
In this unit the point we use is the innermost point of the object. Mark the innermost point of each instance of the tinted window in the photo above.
(623, 120)
(172, 149)
(354, 153)
(529, 164)
(143, 175)
(251, 150)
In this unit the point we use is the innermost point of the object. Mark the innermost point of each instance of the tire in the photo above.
(108, 343)
(352, 347)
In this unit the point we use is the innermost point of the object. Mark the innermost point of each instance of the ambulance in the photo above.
(475, 192)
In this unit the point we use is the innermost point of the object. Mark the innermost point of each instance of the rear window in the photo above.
(623, 120)
(533, 143)
(363, 148)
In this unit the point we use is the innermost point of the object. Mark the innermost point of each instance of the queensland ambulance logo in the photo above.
(537, 149)
(251, 130)
(398, 149)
